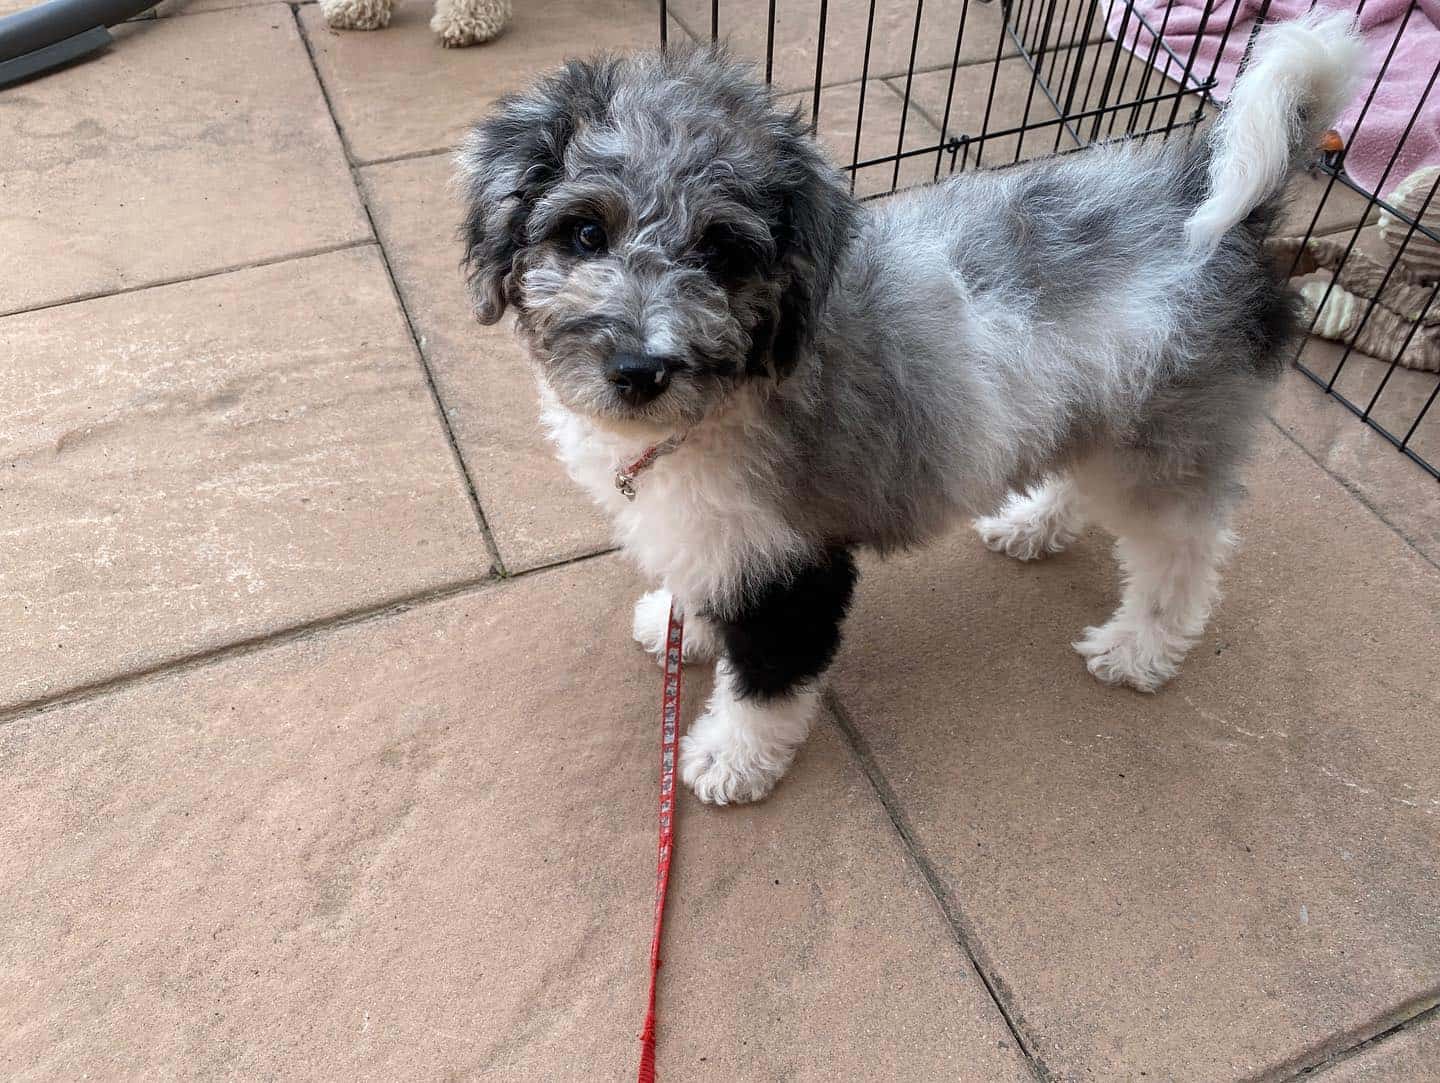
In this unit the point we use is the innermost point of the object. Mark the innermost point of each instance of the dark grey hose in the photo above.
(48, 35)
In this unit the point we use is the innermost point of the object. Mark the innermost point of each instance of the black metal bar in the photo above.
(998, 134)
(950, 90)
(1150, 71)
(994, 74)
(1095, 67)
(909, 78)
(819, 67)
(770, 45)
(664, 27)
(1034, 78)
(1129, 62)
(1429, 402)
(1114, 63)
(1190, 66)
(1070, 94)
(714, 21)
(864, 85)
(1059, 34)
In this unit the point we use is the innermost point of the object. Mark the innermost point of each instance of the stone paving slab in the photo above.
(744, 27)
(423, 846)
(397, 91)
(1014, 102)
(164, 7)
(1410, 1056)
(880, 134)
(1239, 874)
(191, 465)
(174, 154)
(536, 514)
(1397, 489)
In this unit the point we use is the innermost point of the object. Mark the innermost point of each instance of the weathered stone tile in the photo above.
(173, 154)
(196, 464)
(398, 91)
(744, 27)
(1017, 99)
(164, 7)
(1233, 876)
(535, 512)
(1399, 490)
(879, 134)
(423, 846)
(1411, 1055)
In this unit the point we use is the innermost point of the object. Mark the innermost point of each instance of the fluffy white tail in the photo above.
(1300, 76)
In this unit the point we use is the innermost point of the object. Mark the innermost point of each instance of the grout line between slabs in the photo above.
(264, 641)
(1353, 489)
(1426, 1013)
(268, 261)
(408, 156)
(960, 928)
(471, 493)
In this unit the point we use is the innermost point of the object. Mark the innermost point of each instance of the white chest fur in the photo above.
(705, 520)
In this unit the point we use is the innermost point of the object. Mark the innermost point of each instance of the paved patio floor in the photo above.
(325, 753)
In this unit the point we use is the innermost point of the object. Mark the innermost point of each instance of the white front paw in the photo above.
(1120, 653)
(727, 772)
(652, 624)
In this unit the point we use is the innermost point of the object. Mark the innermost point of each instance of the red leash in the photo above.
(669, 748)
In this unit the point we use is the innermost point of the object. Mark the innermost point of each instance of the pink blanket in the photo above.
(1404, 83)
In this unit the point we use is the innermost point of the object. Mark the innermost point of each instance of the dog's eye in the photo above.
(589, 237)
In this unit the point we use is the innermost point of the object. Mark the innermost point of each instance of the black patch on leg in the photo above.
(789, 633)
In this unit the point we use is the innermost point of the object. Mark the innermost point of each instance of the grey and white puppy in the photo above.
(1086, 337)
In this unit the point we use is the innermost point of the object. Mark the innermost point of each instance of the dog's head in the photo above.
(662, 231)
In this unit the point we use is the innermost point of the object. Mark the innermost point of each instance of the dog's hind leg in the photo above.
(1041, 520)
(1170, 556)
(776, 647)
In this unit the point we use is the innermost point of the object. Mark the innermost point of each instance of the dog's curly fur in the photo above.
(1092, 335)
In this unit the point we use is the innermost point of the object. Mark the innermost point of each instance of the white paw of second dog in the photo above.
(722, 770)
(356, 14)
(1122, 653)
(469, 22)
(652, 622)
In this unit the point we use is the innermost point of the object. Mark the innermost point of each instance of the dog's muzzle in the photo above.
(638, 378)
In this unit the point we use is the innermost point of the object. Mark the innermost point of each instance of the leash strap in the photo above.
(669, 748)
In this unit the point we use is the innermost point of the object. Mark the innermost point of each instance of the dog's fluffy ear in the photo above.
(509, 160)
(817, 220)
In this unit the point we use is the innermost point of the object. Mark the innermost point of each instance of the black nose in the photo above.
(638, 378)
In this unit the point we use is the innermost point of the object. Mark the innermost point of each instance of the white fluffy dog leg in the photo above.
(1172, 579)
(739, 748)
(356, 14)
(652, 622)
(1031, 524)
(469, 22)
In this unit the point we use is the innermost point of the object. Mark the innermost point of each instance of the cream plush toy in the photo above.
(458, 22)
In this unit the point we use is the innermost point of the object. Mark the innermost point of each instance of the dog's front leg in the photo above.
(774, 649)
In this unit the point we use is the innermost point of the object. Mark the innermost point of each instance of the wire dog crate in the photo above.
(906, 92)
